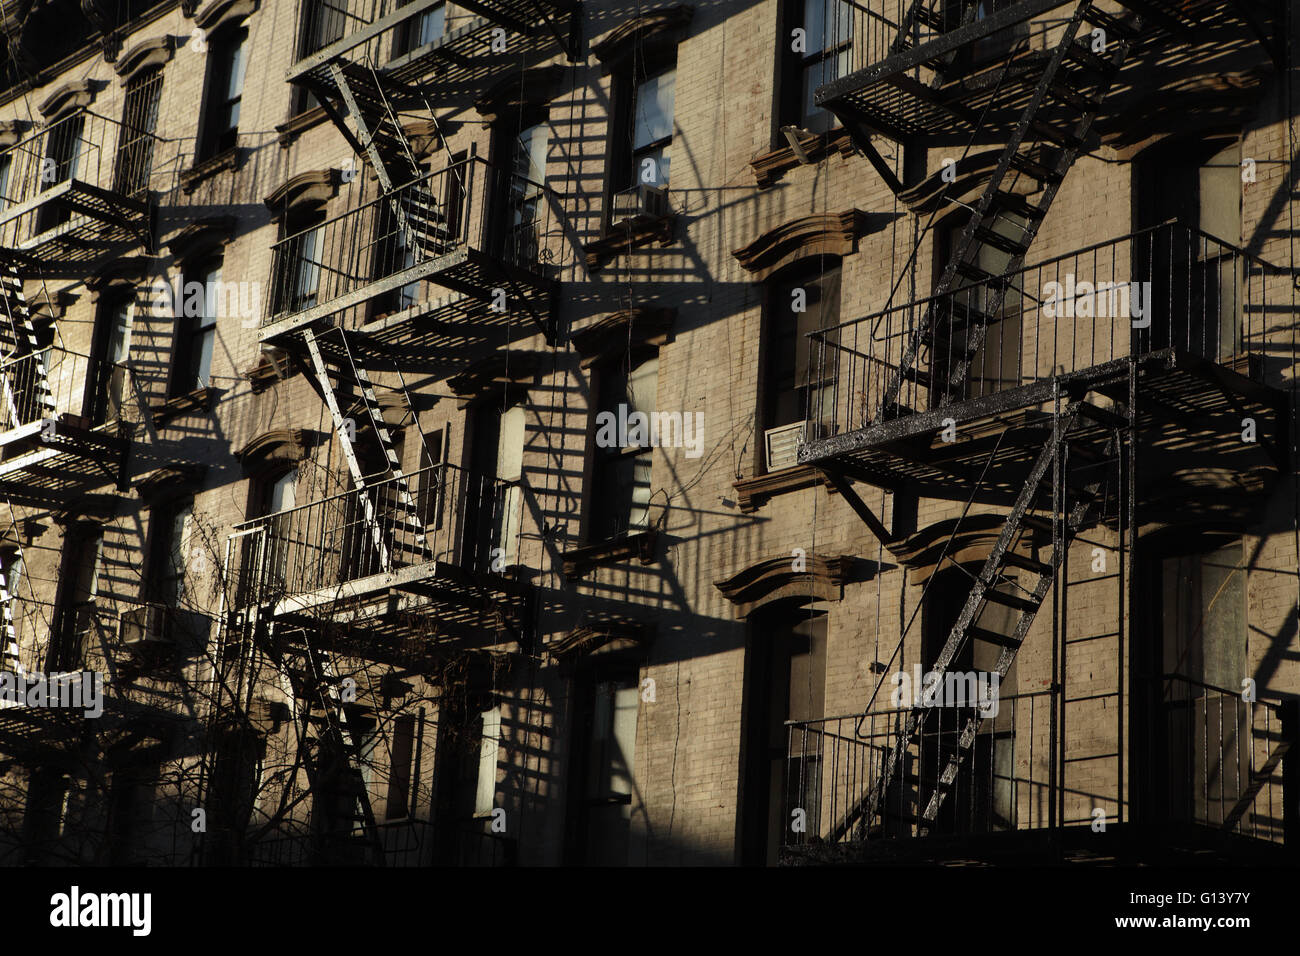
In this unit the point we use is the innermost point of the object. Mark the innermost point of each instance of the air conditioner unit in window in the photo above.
(783, 443)
(640, 202)
(145, 627)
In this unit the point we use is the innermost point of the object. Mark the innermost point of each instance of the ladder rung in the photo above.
(1055, 134)
(1026, 563)
(1017, 204)
(993, 637)
(998, 241)
(1034, 169)
(1081, 54)
(1014, 601)
(1070, 96)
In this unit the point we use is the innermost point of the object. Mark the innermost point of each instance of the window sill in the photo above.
(771, 166)
(628, 235)
(755, 492)
(270, 369)
(199, 400)
(641, 546)
(228, 160)
(295, 126)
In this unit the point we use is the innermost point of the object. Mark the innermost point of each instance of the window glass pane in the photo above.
(643, 385)
(654, 109)
(1220, 182)
(399, 771)
(819, 73)
(487, 763)
(6, 163)
(284, 490)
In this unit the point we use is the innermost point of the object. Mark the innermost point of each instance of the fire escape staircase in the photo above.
(1025, 599)
(1041, 149)
(408, 517)
(315, 679)
(374, 102)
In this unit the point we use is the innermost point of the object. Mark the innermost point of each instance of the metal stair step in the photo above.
(993, 637)
(1034, 169)
(1016, 204)
(1013, 601)
(989, 237)
(1026, 563)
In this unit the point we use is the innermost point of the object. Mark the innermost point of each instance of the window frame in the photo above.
(227, 53)
(776, 287)
(190, 329)
(795, 66)
(605, 462)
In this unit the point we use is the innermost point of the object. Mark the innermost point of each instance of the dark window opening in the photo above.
(226, 62)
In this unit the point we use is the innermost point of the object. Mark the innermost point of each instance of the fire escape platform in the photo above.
(890, 98)
(101, 220)
(465, 315)
(1186, 406)
(37, 733)
(70, 460)
(1169, 844)
(396, 605)
(462, 59)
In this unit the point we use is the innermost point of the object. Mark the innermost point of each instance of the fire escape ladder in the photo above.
(319, 683)
(1008, 221)
(346, 431)
(984, 590)
(410, 517)
(18, 336)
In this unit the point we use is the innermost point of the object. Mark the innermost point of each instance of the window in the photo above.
(323, 23)
(799, 302)
(399, 771)
(1196, 292)
(1200, 737)
(621, 474)
(652, 129)
(828, 40)
(6, 166)
(139, 120)
(278, 494)
(494, 498)
(607, 788)
(485, 793)
(79, 592)
(196, 331)
(1204, 621)
(110, 379)
(431, 479)
(171, 552)
(298, 262)
(465, 780)
(419, 30)
(64, 143)
(226, 61)
(527, 178)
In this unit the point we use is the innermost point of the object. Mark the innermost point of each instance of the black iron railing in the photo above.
(836, 768)
(83, 147)
(1159, 288)
(393, 843)
(452, 516)
(382, 248)
(54, 384)
(1213, 747)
